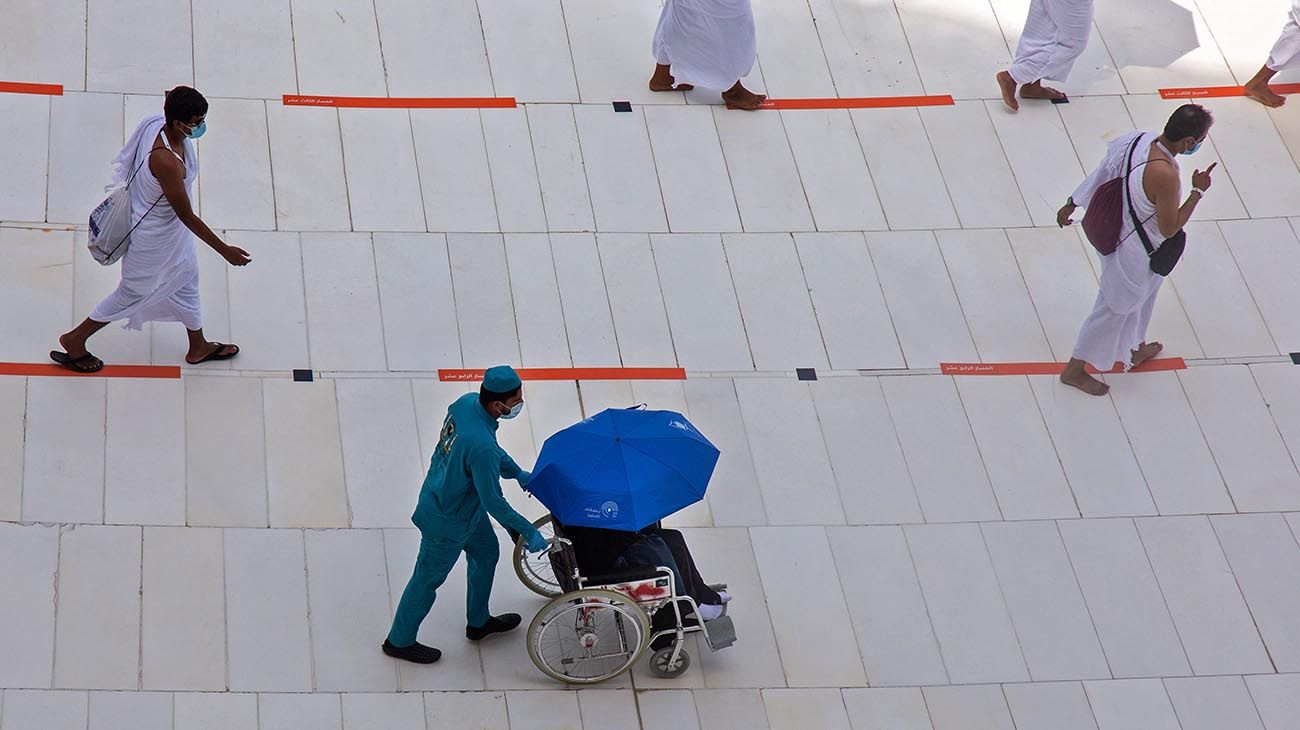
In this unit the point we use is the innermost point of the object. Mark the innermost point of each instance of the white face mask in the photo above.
(514, 412)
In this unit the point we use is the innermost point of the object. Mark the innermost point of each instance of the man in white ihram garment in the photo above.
(709, 43)
(1285, 54)
(160, 269)
(1056, 32)
(1115, 331)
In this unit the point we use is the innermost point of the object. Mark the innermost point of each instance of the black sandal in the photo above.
(216, 354)
(86, 364)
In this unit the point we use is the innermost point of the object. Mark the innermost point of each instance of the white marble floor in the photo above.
(908, 550)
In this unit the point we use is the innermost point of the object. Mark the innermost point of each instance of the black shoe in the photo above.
(417, 652)
(494, 625)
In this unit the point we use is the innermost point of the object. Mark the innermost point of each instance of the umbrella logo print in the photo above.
(609, 509)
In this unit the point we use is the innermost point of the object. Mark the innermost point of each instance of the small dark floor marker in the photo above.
(805, 373)
(1295, 358)
(622, 106)
(302, 376)
(1062, 100)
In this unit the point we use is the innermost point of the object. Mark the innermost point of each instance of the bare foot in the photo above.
(1085, 382)
(738, 97)
(1146, 351)
(74, 347)
(1260, 92)
(663, 80)
(1036, 90)
(1076, 375)
(1008, 86)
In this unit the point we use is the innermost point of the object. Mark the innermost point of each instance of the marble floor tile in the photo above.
(25, 129)
(779, 320)
(43, 710)
(1046, 604)
(343, 311)
(63, 465)
(846, 297)
(98, 622)
(244, 48)
(893, 628)
(347, 594)
(183, 570)
(337, 48)
(220, 491)
(268, 644)
(449, 35)
(928, 410)
(692, 172)
(789, 453)
(1203, 703)
(304, 456)
(1265, 560)
(26, 621)
(1131, 704)
(966, 605)
(1049, 706)
(786, 556)
(268, 304)
(791, 709)
(980, 706)
(144, 466)
(901, 708)
(858, 430)
(1017, 450)
(1260, 474)
(1124, 599)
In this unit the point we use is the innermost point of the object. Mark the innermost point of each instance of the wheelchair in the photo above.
(596, 627)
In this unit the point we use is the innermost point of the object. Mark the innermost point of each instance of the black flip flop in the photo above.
(86, 364)
(214, 354)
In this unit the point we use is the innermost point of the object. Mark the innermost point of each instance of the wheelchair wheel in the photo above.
(662, 666)
(535, 571)
(588, 636)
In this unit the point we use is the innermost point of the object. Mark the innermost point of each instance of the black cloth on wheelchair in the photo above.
(623, 575)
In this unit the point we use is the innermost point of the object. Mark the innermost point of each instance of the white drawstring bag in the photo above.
(110, 223)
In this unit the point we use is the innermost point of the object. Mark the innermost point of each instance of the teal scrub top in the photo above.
(464, 478)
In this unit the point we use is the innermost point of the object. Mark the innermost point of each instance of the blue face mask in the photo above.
(1192, 150)
(514, 411)
(196, 132)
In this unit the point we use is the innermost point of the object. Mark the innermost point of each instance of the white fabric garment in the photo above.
(1286, 52)
(160, 271)
(1119, 318)
(1056, 32)
(708, 43)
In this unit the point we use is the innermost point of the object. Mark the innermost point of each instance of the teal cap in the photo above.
(500, 379)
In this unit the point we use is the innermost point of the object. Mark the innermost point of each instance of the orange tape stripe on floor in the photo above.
(1206, 92)
(1049, 368)
(18, 87)
(386, 102)
(109, 371)
(450, 376)
(865, 102)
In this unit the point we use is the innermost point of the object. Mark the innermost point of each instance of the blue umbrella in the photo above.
(623, 469)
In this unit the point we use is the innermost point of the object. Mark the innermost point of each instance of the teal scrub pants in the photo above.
(437, 557)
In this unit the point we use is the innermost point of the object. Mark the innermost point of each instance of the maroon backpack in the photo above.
(1105, 212)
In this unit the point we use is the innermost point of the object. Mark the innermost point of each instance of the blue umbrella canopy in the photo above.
(623, 469)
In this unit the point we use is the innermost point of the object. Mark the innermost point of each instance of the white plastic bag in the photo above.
(110, 227)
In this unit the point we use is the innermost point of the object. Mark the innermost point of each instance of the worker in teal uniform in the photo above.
(462, 488)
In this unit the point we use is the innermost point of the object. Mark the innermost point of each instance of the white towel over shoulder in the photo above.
(708, 43)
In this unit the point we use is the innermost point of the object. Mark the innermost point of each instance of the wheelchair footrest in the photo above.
(722, 632)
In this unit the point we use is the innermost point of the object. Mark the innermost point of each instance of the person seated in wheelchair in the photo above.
(598, 550)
